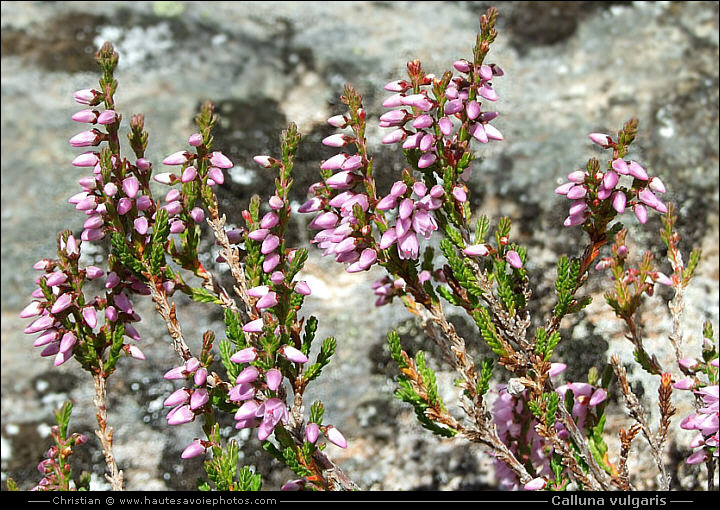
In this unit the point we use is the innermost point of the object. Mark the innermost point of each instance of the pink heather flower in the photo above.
(479, 133)
(312, 205)
(641, 213)
(397, 86)
(600, 139)
(459, 193)
(107, 117)
(293, 354)
(85, 96)
(259, 234)
(336, 140)
(618, 201)
(273, 378)
(270, 220)
(302, 288)
(67, 342)
(462, 65)
(338, 121)
(688, 363)
(393, 101)
(620, 166)
(176, 158)
(141, 225)
(180, 415)
(577, 192)
(698, 457)
(574, 219)
(662, 279)
(492, 132)
(199, 398)
(394, 136)
(637, 171)
(248, 375)
(557, 369)
(488, 93)
(324, 221)
(267, 301)
(259, 291)
(275, 202)
(535, 484)
(135, 352)
(446, 126)
(564, 189)
(41, 324)
(454, 106)
(312, 431)
(244, 355)
(656, 185)
(220, 160)
(353, 163)
(422, 121)
(476, 250)
(56, 278)
(194, 449)
(270, 262)
(272, 411)
(49, 336)
(31, 310)
(165, 177)
(408, 246)
(610, 180)
(255, 326)
(514, 259)
(247, 410)
(84, 139)
(88, 116)
(62, 302)
(177, 397)
(195, 139)
(335, 437)
(61, 358)
(197, 215)
(86, 159)
(189, 174)
(216, 174)
(473, 109)
(426, 160)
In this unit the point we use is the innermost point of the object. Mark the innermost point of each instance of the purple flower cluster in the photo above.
(516, 428)
(705, 419)
(51, 468)
(65, 316)
(414, 216)
(589, 192)
(180, 212)
(427, 123)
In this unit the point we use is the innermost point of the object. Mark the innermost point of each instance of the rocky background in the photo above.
(570, 69)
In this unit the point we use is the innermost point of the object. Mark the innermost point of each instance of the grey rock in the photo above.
(570, 69)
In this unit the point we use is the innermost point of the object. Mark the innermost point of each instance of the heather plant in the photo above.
(437, 255)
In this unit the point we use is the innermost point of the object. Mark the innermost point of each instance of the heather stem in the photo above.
(105, 434)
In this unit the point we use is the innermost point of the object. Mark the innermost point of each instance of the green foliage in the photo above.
(121, 250)
(317, 410)
(204, 296)
(396, 349)
(311, 325)
(486, 370)
(481, 229)
(323, 358)
(156, 249)
(488, 331)
(565, 286)
(222, 470)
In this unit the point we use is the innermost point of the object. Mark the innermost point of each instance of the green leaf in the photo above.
(311, 325)
(396, 349)
(323, 358)
(317, 410)
(488, 331)
(204, 296)
(248, 480)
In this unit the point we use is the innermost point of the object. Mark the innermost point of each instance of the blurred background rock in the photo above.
(570, 69)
